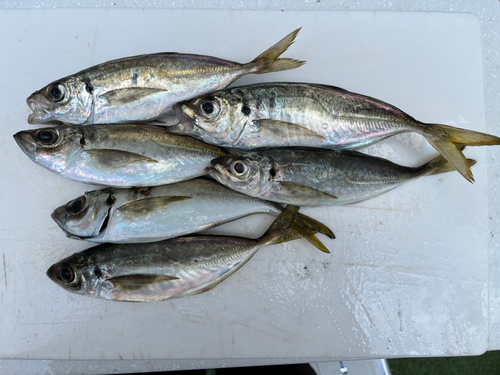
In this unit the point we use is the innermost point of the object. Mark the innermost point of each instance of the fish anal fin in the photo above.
(208, 288)
(269, 129)
(111, 160)
(128, 95)
(138, 281)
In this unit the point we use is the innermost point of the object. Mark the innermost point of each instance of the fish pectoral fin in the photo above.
(128, 95)
(302, 192)
(139, 281)
(284, 130)
(110, 160)
(138, 208)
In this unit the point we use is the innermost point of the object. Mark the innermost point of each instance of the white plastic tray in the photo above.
(408, 270)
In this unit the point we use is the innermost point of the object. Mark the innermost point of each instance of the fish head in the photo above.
(218, 115)
(51, 147)
(69, 100)
(85, 216)
(72, 273)
(243, 173)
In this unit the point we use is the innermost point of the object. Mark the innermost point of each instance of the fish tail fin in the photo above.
(447, 140)
(308, 227)
(309, 234)
(315, 225)
(440, 164)
(291, 226)
(269, 60)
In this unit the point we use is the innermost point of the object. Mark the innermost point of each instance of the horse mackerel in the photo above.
(312, 115)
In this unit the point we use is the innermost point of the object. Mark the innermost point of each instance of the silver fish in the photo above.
(143, 88)
(311, 115)
(317, 177)
(117, 155)
(142, 215)
(158, 271)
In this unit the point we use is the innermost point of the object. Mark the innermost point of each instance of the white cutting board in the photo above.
(408, 271)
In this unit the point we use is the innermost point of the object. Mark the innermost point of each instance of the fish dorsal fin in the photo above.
(110, 160)
(303, 193)
(133, 210)
(139, 281)
(128, 95)
(272, 129)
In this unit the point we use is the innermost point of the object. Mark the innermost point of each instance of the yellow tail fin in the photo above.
(269, 61)
(440, 164)
(446, 138)
(290, 226)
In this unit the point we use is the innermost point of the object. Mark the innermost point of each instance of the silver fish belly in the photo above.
(316, 178)
(117, 155)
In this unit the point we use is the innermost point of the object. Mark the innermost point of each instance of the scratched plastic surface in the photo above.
(408, 270)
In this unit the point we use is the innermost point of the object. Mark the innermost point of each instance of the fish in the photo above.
(158, 271)
(142, 215)
(317, 177)
(312, 115)
(121, 155)
(144, 88)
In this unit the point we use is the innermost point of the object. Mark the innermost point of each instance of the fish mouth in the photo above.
(186, 118)
(210, 171)
(63, 227)
(58, 221)
(218, 173)
(40, 109)
(25, 142)
(52, 273)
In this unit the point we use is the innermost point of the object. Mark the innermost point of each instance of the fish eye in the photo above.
(67, 274)
(239, 168)
(47, 136)
(77, 204)
(57, 92)
(209, 108)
